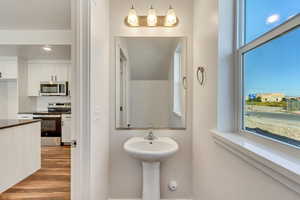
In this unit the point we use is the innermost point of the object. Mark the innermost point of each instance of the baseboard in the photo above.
(140, 199)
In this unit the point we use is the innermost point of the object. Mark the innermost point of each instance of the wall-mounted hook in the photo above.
(202, 70)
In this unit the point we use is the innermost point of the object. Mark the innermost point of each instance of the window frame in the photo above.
(178, 51)
(241, 48)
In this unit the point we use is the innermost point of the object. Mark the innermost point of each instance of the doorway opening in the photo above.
(36, 92)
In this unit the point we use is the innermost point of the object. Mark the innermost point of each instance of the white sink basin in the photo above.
(151, 153)
(151, 150)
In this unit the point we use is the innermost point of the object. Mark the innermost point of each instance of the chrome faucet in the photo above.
(150, 135)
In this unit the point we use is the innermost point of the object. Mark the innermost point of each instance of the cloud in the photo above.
(273, 18)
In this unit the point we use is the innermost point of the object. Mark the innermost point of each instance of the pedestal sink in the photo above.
(151, 152)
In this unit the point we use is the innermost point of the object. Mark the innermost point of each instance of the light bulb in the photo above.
(151, 18)
(47, 48)
(171, 17)
(132, 18)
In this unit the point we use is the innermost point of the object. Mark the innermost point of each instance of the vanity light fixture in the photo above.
(171, 17)
(47, 48)
(151, 20)
(132, 18)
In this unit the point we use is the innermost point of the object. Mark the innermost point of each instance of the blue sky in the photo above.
(275, 66)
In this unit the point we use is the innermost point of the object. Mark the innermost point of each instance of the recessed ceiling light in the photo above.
(273, 18)
(47, 48)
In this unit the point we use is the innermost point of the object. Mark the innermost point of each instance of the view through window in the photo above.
(271, 72)
(263, 15)
(177, 81)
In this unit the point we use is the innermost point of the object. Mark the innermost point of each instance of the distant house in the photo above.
(271, 97)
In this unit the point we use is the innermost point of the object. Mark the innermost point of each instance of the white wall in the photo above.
(9, 90)
(125, 172)
(12, 99)
(8, 99)
(150, 57)
(35, 15)
(42, 102)
(149, 102)
(8, 50)
(218, 174)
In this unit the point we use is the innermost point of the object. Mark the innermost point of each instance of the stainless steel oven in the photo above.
(50, 128)
(50, 88)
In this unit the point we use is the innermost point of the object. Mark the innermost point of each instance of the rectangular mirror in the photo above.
(151, 82)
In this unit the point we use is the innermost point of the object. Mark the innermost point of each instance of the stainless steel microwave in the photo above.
(50, 88)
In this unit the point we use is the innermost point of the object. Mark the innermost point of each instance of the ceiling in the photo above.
(36, 52)
(35, 14)
(150, 57)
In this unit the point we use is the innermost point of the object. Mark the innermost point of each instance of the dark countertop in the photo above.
(9, 123)
(44, 113)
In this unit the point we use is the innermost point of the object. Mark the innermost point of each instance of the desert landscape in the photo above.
(275, 120)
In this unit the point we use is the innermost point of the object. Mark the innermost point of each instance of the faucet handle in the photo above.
(150, 135)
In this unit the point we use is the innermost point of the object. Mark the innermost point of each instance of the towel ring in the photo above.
(202, 70)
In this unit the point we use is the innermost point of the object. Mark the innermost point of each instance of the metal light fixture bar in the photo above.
(142, 22)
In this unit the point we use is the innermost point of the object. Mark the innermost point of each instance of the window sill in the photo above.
(282, 167)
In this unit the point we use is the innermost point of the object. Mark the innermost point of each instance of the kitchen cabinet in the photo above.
(20, 153)
(41, 71)
(8, 68)
(61, 72)
(57, 71)
(66, 128)
(36, 74)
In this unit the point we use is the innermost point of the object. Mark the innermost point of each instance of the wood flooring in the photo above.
(51, 182)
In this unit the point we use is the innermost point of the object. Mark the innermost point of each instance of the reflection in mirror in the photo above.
(151, 82)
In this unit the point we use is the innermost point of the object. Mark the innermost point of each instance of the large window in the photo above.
(271, 70)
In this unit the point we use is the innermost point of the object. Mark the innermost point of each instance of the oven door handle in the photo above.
(46, 116)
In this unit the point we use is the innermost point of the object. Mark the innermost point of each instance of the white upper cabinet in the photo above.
(36, 74)
(61, 71)
(40, 71)
(8, 68)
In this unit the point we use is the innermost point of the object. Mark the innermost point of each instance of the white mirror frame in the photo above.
(184, 75)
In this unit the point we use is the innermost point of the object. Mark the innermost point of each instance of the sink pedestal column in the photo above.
(151, 181)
